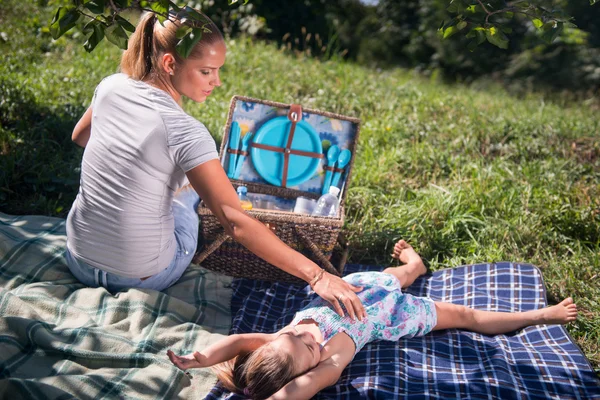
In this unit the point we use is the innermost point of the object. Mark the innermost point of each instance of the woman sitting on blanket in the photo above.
(134, 222)
(311, 352)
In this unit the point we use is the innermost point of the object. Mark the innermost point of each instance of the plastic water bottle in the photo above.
(245, 202)
(328, 204)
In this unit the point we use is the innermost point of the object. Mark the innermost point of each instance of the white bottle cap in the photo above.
(334, 190)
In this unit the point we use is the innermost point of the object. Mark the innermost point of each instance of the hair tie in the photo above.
(247, 392)
(149, 39)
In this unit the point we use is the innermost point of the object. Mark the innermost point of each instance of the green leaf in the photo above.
(96, 36)
(472, 45)
(496, 37)
(478, 33)
(537, 23)
(117, 36)
(453, 7)
(161, 8)
(187, 43)
(461, 25)
(96, 6)
(182, 31)
(64, 19)
(123, 3)
(451, 30)
(551, 30)
(128, 26)
(174, 6)
(592, 2)
(193, 14)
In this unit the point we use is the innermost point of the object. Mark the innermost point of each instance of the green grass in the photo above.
(464, 175)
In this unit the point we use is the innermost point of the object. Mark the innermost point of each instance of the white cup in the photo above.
(305, 205)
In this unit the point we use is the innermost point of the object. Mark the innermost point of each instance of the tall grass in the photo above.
(465, 175)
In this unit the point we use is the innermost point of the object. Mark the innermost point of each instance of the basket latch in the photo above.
(271, 226)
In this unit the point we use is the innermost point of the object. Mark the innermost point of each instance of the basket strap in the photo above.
(221, 237)
(333, 169)
(325, 263)
(292, 151)
(237, 152)
(294, 115)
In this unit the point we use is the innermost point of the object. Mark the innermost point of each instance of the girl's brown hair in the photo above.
(258, 374)
(152, 39)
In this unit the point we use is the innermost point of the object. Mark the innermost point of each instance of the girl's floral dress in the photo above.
(391, 314)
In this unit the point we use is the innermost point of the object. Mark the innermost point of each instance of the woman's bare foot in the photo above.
(563, 312)
(184, 362)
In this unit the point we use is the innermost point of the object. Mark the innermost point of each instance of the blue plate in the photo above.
(269, 164)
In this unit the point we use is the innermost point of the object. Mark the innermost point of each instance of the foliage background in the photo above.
(465, 172)
(405, 33)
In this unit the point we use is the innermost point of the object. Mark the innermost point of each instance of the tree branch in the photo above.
(157, 13)
(482, 6)
(509, 9)
(113, 6)
(93, 18)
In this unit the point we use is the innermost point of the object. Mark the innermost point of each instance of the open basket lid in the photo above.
(315, 133)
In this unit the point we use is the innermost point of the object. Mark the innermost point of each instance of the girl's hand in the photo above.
(193, 360)
(337, 291)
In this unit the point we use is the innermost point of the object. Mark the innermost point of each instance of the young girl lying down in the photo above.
(311, 352)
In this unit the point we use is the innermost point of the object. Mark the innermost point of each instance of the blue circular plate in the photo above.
(269, 164)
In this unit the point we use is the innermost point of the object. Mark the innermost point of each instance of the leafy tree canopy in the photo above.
(105, 19)
(477, 20)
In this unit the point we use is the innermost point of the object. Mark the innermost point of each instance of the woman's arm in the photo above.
(213, 186)
(221, 351)
(81, 132)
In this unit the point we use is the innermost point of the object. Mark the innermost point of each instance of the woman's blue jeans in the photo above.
(185, 205)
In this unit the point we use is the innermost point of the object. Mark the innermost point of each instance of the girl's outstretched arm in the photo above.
(221, 351)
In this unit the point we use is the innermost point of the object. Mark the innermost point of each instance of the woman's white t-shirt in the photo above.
(141, 145)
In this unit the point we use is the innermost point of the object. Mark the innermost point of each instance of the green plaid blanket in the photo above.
(59, 339)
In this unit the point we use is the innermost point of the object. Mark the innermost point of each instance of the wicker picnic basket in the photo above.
(314, 236)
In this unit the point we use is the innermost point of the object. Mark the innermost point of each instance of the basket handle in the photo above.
(221, 237)
(325, 263)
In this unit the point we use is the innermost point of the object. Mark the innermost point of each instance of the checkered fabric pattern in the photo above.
(61, 340)
(538, 362)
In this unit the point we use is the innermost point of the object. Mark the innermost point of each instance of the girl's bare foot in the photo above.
(413, 267)
(563, 312)
(184, 362)
(405, 253)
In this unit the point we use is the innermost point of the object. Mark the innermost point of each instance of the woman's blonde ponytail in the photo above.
(137, 59)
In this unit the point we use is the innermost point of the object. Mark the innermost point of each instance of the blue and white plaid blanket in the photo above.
(538, 362)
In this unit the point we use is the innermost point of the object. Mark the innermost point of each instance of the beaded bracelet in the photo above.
(316, 279)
